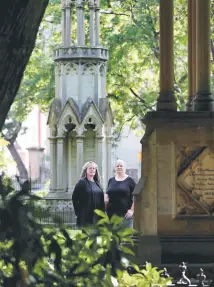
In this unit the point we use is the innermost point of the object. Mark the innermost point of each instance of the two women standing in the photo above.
(88, 195)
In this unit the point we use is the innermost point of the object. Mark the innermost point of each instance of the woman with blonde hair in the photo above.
(119, 198)
(88, 195)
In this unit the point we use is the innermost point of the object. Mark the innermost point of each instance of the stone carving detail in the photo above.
(90, 124)
(89, 69)
(71, 69)
(68, 121)
(68, 124)
(195, 181)
(59, 204)
(93, 124)
(79, 52)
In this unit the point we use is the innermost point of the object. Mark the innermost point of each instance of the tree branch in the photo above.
(141, 100)
(114, 13)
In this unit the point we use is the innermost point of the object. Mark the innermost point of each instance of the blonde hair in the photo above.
(84, 168)
(122, 161)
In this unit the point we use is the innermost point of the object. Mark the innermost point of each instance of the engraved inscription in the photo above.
(198, 180)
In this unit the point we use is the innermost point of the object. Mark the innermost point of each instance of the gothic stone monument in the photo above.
(80, 117)
(174, 207)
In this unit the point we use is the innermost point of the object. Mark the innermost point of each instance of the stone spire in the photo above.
(80, 116)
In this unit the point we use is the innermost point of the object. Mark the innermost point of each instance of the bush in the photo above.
(34, 255)
(149, 276)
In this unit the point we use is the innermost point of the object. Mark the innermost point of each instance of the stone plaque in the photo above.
(197, 180)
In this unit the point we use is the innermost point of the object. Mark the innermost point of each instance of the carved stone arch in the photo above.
(88, 69)
(66, 125)
(67, 121)
(91, 122)
(71, 69)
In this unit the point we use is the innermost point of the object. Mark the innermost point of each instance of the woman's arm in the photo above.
(106, 196)
(106, 200)
(78, 195)
(130, 212)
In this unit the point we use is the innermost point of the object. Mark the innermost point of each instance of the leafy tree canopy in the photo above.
(130, 29)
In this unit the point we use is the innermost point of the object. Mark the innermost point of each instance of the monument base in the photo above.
(147, 248)
(59, 203)
(175, 199)
(168, 250)
(190, 249)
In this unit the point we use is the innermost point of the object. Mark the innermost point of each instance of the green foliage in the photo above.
(3, 145)
(5, 160)
(130, 29)
(147, 277)
(37, 86)
(88, 258)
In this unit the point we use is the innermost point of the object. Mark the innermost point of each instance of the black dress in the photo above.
(87, 196)
(120, 196)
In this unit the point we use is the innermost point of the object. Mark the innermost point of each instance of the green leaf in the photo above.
(100, 213)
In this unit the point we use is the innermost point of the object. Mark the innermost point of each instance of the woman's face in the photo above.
(91, 170)
(120, 167)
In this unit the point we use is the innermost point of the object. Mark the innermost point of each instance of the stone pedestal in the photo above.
(175, 205)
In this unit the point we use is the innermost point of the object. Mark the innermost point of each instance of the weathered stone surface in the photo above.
(171, 201)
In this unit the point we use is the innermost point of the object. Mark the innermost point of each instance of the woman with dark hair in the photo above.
(88, 195)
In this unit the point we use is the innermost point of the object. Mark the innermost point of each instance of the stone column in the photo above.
(91, 25)
(166, 99)
(53, 165)
(68, 24)
(80, 23)
(80, 142)
(109, 156)
(69, 164)
(60, 142)
(63, 23)
(97, 21)
(203, 100)
(99, 155)
(191, 53)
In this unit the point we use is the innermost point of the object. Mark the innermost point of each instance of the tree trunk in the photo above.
(212, 50)
(16, 157)
(19, 23)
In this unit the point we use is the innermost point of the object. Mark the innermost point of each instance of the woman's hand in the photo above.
(129, 214)
(106, 198)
